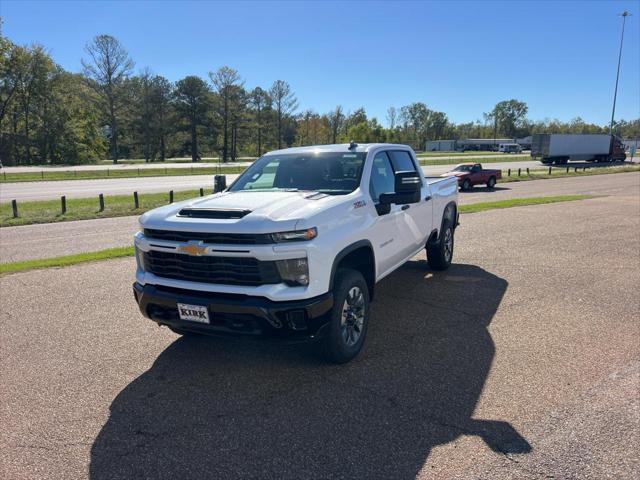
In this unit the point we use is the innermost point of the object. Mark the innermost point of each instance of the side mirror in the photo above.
(407, 189)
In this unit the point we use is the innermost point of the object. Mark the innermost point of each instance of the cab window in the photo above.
(402, 161)
(382, 177)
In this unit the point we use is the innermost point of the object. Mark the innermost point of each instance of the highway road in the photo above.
(64, 238)
(126, 186)
(521, 361)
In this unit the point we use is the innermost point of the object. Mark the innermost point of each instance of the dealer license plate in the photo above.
(193, 313)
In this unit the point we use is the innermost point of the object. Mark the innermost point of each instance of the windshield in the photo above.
(463, 168)
(334, 173)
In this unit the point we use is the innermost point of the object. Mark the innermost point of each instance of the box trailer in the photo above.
(559, 148)
(441, 146)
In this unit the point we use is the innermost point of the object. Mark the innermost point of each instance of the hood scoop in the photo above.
(216, 213)
(316, 196)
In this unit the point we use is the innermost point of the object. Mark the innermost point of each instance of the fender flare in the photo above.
(346, 251)
(450, 212)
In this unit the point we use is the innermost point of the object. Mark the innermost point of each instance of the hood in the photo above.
(454, 174)
(232, 212)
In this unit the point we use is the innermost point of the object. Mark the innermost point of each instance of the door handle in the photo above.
(405, 207)
(427, 198)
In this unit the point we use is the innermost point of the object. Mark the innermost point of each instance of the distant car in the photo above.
(470, 174)
(509, 148)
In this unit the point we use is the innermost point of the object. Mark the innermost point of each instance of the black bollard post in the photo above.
(170, 196)
(14, 207)
(63, 205)
(136, 203)
(101, 201)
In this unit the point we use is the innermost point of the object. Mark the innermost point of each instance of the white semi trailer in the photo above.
(559, 148)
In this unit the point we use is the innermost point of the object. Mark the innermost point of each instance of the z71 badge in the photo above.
(359, 204)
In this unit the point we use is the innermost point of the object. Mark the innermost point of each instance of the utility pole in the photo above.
(624, 16)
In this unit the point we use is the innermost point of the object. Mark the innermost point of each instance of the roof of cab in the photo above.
(338, 147)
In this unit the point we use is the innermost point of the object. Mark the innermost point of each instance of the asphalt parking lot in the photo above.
(521, 361)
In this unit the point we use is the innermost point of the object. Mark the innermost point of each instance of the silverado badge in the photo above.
(193, 248)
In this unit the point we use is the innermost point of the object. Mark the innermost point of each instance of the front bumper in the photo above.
(231, 314)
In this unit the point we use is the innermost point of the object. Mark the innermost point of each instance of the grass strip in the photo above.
(543, 173)
(118, 252)
(54, 175)
(48, 211)
(425, 161)
(66, 260)
(519, 202)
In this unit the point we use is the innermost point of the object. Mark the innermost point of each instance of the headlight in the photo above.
(140, 258)
(294, 272)
(295, 235)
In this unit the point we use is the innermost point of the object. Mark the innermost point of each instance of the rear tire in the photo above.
(491, 183)
(349, 317)
(440, 252)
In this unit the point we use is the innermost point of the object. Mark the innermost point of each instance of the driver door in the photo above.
(390, 235)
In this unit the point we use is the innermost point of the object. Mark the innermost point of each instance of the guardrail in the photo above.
(219, 184)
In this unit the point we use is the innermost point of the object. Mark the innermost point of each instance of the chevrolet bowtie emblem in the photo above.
(196, 249)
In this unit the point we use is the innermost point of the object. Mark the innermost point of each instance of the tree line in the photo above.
(50, 115)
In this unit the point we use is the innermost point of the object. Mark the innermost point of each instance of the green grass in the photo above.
(519, 202)
(66, 260)
(466, 154)
(45, 175)
(543, 173)
(52, 175)
(134, 161)
(425, 161)
(48, 211)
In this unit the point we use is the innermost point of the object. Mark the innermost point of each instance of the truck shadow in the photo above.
(213, 408)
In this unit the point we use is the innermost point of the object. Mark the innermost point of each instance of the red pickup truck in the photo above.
(470, 174)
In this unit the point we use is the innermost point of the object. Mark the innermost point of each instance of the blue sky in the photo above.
(457, 57)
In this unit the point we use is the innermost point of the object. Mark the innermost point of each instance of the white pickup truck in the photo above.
(294, 247)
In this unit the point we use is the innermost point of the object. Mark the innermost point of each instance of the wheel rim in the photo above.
(448, 244)
(492, 182)
(352, 320)
(466, 184)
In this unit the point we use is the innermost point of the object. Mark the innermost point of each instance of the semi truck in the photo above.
(559, 148)
(295, 246)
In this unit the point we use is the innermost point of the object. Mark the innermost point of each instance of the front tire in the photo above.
(349, 317)
(466, 185)
(440, 252)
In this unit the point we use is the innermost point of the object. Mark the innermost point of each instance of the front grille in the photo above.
(208, 269)
(216, 238)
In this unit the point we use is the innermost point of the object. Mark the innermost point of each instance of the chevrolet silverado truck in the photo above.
(294, 247)
(470, 174)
